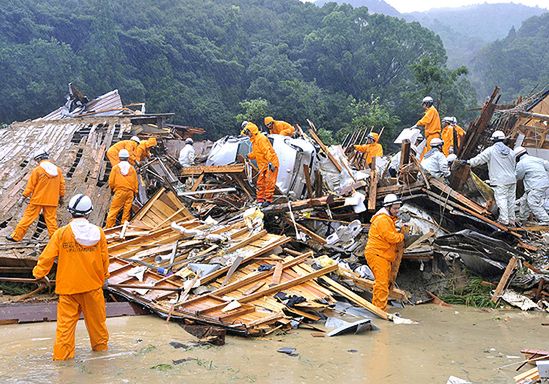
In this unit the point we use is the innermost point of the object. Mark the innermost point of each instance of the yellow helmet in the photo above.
(268, 120)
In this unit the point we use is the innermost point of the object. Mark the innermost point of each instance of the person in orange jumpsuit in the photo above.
(267, 162)
(430, 121)
(450, 131)
(123, 183)
(82, 269)
(278, 127)
(143, 150)
(128, 145)
(381, 248)
(46, 188)
(371, 149)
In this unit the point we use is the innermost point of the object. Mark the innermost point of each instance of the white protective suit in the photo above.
(536, 182)
(435, 163)
(501, 170)
(187, 155)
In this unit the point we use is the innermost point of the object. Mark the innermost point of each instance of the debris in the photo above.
(288, 350)
(518, 300)
(344, 327)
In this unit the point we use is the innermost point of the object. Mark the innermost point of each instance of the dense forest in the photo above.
(518, 63)
(214, 61)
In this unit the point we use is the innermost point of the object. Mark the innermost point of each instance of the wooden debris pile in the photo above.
(219, 274)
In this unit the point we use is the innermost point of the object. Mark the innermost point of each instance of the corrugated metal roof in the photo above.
(109, 104)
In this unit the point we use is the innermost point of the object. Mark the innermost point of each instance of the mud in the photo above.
(463, 342)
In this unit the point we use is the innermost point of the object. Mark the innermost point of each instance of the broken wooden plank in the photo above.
(325, 149)
(197, 170)
(372, 190)
(504, 279)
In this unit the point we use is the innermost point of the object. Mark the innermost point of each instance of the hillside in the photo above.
(211, 60)
(517, 63)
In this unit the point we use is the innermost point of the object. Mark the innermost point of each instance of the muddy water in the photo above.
(467, 343)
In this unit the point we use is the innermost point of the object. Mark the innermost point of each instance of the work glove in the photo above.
(271, 167)
(22, 200)
(463, 162)
(61, 201)
(44, 282)
(106, 284)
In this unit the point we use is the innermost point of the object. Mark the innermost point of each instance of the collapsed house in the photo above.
(198, 250)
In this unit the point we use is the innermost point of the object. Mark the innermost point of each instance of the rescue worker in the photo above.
(431, 123)
(267, 162)
(123, 183)
(278, 127)
(45, 188)
(435, 162)
(381, 248)
(451, 132)
(187, 154)
(143, 150)
(501, 170)
(533, 171)
(82, 269)
(371, 149)
(128, 145)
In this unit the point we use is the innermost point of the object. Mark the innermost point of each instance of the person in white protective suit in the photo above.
(187, 154)
(501, 170)
(434, 161)
(533, 171)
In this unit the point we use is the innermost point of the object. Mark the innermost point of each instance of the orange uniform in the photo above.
(82, 267)
(431, 122)
(129, 145)
(380, 253)
(45, 187)
(448, 138)
(282, 128)
(123, 182)
(263, 153)
(143, 149)
(371, 150)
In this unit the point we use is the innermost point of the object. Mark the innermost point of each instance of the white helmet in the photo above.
(243, 125)
(447, 119)
(519, 152)
(123, 154)
(454, 120)
(427, 100)
(136, 139)
(80, 205)
(41, 154)
(391, 199)
(498, 135)
(451, 157)
(436, 142)
(188, 140)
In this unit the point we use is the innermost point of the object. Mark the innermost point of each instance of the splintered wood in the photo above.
(225, 275)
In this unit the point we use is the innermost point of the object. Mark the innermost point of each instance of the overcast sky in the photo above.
(423, 5)
(404, 6)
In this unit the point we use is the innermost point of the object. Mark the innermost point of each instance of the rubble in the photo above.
(199, 251)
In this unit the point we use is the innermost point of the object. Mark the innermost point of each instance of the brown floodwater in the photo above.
(467, 343)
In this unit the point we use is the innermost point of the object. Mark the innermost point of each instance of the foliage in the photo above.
(517, 63)
(254, 111)
(371, 115)
(474, 294)
(211, 61)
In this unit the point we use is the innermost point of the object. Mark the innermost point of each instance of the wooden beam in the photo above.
(372, 190)
(325, 149)
(308, 183)
(537, 116)
(458, 196)
(504, 279)
(197, 170)
(396, 264)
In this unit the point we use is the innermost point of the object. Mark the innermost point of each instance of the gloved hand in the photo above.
(271, 167)
(44, 282)
(106, 284)
(22, 200)
(463, 162)
(61, 201)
